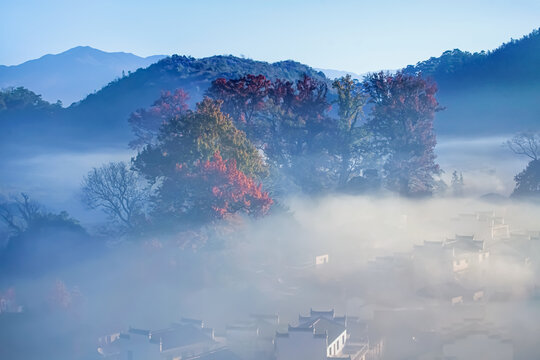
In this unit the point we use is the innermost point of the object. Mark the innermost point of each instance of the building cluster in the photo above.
(449, 299)
(463, 297)
(319, 335)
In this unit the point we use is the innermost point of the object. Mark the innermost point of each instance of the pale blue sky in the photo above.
(357, 36)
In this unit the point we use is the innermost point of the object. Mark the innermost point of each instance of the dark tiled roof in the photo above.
(219, 354)
(328, 313)
(324, 326)
(139, 331)
(196, 322)
(179, 336)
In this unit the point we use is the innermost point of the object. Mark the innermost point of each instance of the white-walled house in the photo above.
(188, 338)
(301, 343)
(320, 335)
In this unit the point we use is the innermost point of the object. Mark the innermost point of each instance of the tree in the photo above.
(525, 143)
(457, 183)
(243, 97)
(117, 190)
(298, 133)
(21, 214)
(350, 138)
(146, 123)
(198, 135)
(528, 182)
(287, 121)
(21, 100)
(216, 189)
(187, 141)
(401, 120)
(40, 240)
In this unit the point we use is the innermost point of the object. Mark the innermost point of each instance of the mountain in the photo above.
(487, 93)
(334, 74)
(73, 74)
(101, 117)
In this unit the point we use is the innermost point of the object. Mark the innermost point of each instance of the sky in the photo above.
(357, 36)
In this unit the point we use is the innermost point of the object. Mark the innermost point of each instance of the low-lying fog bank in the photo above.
(384, 255)
(54, 178)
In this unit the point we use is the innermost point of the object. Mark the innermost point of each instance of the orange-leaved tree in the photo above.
(217, 189)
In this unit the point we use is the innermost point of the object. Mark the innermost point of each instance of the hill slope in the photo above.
(73, 74)
(101, 118)
(496, 92)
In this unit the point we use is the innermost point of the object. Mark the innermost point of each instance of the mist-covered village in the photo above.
(223, 208)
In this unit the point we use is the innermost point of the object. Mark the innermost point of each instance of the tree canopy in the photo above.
(401, 120)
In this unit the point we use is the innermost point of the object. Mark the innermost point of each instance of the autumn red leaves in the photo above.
(251, 137)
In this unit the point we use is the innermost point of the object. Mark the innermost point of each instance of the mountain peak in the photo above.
(71, 75)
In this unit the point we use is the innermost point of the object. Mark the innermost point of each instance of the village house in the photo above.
(188, 338)
(320, 335)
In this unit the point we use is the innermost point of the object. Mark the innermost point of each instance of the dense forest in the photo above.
(493, 92)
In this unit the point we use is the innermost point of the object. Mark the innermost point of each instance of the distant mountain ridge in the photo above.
(495, 92)
(112, 105)
(102, 116)
(488, 93)
(73, 74)
(334, 74)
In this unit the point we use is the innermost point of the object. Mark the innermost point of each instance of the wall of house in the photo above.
(337, 345)
(300, 345)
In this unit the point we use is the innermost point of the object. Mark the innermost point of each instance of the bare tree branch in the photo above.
(115, 189)
(7, 216)
(525, 143)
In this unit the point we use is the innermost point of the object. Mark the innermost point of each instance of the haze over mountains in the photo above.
(488, 93)
(73, 74)
(101, 118)
(493, 93)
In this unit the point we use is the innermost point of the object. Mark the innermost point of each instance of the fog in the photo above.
(486, 163)
(376, 269)
(54, 177)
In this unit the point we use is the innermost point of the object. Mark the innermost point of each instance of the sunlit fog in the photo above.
(297, 196)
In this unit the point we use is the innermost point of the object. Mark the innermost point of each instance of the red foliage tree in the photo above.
(285, 120)
(216, 189)
(246, 98)
(242, 98)
(299, 131)
(401, 120)
(145, 123)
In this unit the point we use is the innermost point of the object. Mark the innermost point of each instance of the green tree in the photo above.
(184, 142)
(528, 182)
(350, 137)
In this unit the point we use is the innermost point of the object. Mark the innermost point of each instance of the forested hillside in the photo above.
(495, 92)
(102, 117)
